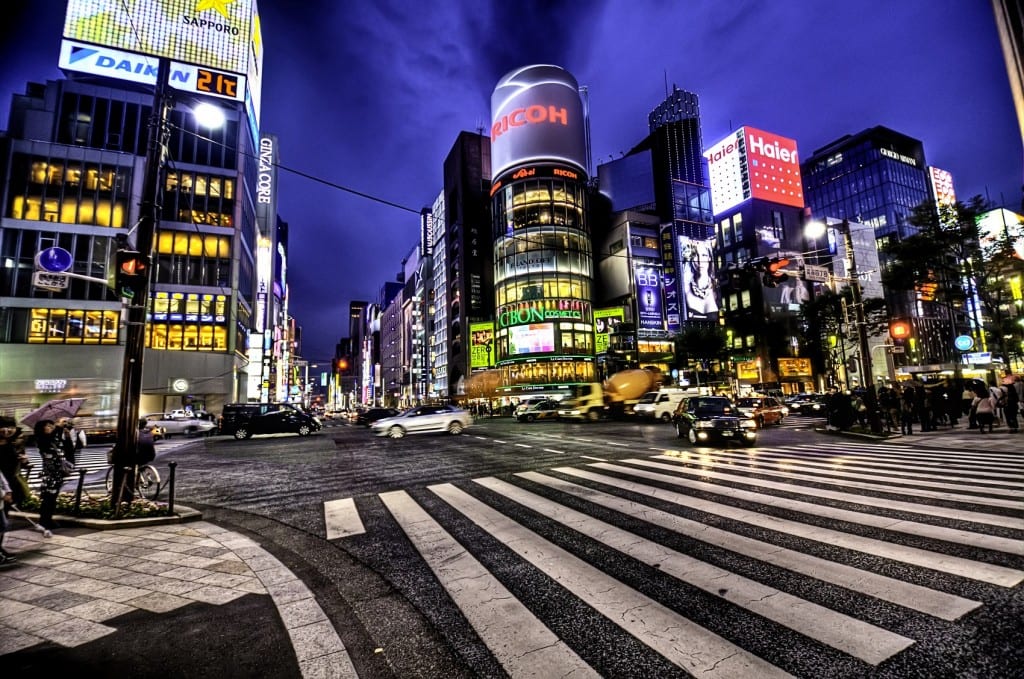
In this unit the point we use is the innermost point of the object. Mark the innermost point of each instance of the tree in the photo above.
(823, 317)
(700, 343)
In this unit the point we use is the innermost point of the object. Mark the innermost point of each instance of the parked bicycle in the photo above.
(147, 481)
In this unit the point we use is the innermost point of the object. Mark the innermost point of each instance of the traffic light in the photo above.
(899, 329)
(774, 271)
(131, 271)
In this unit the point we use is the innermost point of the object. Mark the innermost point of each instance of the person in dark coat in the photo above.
(52, 477)
(908, 411)
(13, 459)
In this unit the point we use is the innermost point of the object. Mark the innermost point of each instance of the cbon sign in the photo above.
(537, 115)
(752, 163)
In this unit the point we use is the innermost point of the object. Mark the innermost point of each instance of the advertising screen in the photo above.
(648, 298)
(727, 173)
(214, 34)
(481, 345)
(699, 278)
(605, 321)
(536, 338)
(537, 114)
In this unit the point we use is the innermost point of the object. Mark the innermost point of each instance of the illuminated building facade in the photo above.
(543, 257)
(71, 174)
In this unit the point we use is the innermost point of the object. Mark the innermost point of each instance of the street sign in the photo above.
(812, 272)
(49, 281)
(964, 342)
(54, 260)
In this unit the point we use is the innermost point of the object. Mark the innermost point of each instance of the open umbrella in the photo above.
(54, 410)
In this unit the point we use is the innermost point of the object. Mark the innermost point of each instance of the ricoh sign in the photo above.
(751, 163)
(536, 114)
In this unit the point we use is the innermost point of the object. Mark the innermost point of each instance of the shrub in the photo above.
(93, 507)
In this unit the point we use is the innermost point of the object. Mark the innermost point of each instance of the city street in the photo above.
(617, 549)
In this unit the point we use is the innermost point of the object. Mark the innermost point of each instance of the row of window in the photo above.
(545, 201)
(549, 372)
(186, 336)
(540, 286)
(72, 326)
(67, 191)
(197, 198)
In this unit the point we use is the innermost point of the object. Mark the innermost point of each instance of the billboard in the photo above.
(752, 163)
(214, 34)
(1000, 223)
(605, 321)
(481, 345)
(648, 297)
(942, 186)
(537, 114)
(699, 278)
(536, 338)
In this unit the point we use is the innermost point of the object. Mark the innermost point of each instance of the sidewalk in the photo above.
(184, 599)
(1002, 440)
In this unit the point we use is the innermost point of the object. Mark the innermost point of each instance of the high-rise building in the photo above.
(542, 255)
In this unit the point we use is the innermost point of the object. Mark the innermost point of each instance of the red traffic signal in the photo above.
(131, 273)
(899, 329)
(775, 271)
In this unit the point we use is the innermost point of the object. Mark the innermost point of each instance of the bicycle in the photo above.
(147, 481)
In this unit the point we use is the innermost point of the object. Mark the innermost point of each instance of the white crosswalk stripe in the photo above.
(913, 541)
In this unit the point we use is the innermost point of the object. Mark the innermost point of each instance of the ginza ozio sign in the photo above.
(541, 310)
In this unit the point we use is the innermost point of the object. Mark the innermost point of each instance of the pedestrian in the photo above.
(985, 411)
(8, 499)
(53, 471)
(14, 463)
(908, 408)
(967, 401)
(891, 404)
(1014, 396)
(953, 405)
(62, 435)
(924, 408)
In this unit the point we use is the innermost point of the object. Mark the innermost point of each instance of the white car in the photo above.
(180, 425)
(422, 420)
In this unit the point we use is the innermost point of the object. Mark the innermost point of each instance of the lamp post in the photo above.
(813, 229)
(127, 440)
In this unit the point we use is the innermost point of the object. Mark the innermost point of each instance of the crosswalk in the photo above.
(833, 559)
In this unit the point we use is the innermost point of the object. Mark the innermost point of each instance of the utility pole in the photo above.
(135, 335)
(870, 398)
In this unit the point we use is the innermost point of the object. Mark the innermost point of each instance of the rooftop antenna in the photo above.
(480, 126)
(666, 83)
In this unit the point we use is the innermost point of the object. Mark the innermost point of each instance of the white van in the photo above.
(659, 405)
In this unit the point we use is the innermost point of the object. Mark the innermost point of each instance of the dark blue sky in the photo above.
(371, 94)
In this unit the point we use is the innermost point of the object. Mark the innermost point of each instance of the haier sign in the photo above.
(751, 163)
(121, 65)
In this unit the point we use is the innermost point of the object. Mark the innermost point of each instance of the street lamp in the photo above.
(814, 229)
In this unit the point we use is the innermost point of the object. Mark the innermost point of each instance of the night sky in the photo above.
(371, 94)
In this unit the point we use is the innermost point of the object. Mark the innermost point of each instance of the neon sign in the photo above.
(539, 311)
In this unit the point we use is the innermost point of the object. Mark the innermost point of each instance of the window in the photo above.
(72, 326)
(69, 192)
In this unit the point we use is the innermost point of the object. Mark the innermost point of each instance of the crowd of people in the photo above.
(919, 407)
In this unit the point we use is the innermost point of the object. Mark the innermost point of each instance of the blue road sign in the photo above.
(54, 260)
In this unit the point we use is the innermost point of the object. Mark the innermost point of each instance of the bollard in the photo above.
(120, 494)
(170, 488)
(78, 492)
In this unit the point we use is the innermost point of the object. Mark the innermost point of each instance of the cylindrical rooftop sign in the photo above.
(537, 114)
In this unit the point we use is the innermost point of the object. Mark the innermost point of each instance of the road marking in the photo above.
(482, 438)
(691, 647)
(613, 443)
(522, 445)
(860, 639)
(956, 458)
(552, 450)
(974, 570)
(499, 441)
(589, 457)
(935, 603)
(519, 641)
(341, 519)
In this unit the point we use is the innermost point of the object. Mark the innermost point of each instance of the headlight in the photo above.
(703, 424)
(748, 424)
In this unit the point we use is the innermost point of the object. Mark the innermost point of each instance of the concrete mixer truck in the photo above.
(612, 398)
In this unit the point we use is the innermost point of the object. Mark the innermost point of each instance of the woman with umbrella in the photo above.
(52, 474)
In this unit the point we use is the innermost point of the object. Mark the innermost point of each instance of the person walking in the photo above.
(5, 492)
(1014, 395)
(13, 459)
(908, 409)
(967, 399)
(52, 477)
(985, 411)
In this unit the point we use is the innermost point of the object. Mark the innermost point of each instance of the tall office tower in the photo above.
(438, 303)
(543, 258)
(71, 177)
(1010, 24)
(470, 269)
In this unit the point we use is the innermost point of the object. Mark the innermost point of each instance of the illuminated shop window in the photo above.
(188, 322)
(73, 326)
(75, 193)
(199, 198)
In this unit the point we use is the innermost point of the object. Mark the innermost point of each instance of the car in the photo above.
(180, 425)
(422, 420)
(243, 420)
(529, 401)
(368, 417)
(813, 407)
(544, 410)
(701, 419)
(765, 410)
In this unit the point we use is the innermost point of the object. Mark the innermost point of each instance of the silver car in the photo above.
(180, 426)
(422, 420)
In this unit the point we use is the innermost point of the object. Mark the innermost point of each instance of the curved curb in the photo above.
(181, 515)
